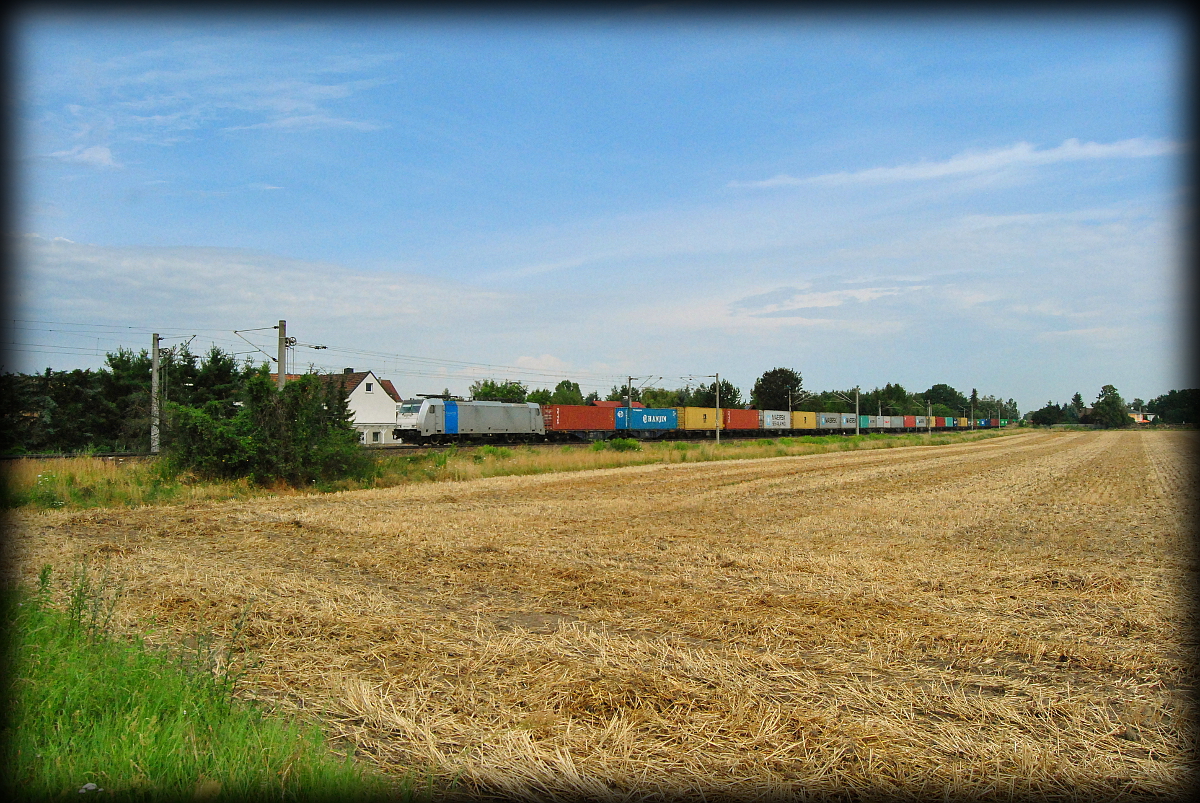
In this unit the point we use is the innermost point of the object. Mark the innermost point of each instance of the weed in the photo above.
(91, 712)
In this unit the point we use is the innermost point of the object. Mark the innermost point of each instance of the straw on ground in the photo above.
(998, 618)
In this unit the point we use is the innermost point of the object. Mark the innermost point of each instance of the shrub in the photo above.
(300, 436)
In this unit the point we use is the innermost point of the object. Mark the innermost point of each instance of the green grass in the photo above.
(86, 707)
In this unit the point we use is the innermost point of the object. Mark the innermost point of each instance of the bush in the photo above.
(300, 436)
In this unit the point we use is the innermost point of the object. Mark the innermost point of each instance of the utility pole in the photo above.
(629, 395)
(856, 409)
(718, 388)
(155, 414)
(282, 354)
(928, 418)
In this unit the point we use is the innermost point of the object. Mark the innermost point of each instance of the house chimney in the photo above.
(348, 371)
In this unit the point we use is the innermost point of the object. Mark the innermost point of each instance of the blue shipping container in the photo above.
(647, 418)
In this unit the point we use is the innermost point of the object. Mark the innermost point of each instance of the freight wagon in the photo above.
(438, 420)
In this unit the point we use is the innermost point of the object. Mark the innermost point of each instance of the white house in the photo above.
(372, 402)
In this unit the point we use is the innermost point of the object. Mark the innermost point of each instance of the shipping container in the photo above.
(849, 420)
(939, 421)
(774, 419)
(697, 417)
(864, 421)
(735, 418)
(921, 421)
(829, 420)
(993, 422)
(910, 421)
(647, 418)
(802, 420)
(963, 422)
(578, 417)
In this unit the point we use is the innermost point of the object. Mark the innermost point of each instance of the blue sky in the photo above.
(988, 201)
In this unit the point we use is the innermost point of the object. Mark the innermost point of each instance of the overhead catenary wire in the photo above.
(409, 365)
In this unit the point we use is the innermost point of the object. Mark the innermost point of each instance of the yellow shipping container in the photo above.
(804, 420)
(962, 422)
(697, 417)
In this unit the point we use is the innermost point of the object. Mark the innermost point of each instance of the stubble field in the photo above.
(1002, 618)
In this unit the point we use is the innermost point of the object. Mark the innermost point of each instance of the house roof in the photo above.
(349, 381)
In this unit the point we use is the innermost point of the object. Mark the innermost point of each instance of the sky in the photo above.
(988, 201)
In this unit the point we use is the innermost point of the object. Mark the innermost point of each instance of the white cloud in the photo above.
(975, 162)
(307, 122)
(95, 156)
(232, 285)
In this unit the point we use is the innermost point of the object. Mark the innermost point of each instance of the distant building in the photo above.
(1142, 417)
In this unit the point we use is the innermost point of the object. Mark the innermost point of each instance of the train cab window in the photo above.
(410, 407)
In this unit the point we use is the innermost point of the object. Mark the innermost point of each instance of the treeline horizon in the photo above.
(108, 409)
(776, 389)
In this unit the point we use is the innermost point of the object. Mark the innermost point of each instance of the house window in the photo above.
(362, 437)
(375, 437)
(369, 387)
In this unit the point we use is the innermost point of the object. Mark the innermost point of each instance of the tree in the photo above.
(540, 396)
(1109, 409)
(1047, 416)
(771, 390)
(567, 392)
(1176, 407)
(300, 435)
(506, 391)
(618, 393)
(1077, 404)
(946, 396)
(706, 395)
(661, 397)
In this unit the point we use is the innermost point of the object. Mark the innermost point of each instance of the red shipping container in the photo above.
(910, 421)
(578, 417)
(732, 418)
(995, 422)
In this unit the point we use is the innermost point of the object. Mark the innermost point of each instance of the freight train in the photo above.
(440, 420)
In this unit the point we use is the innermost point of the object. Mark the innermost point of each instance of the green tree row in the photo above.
(108, 409)
(221, 419)
(1112, 411)
(776, 389)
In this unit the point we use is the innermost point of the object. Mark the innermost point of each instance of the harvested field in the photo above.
(994, 619)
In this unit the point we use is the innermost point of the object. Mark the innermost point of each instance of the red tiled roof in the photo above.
(349, 381)
(389, 389)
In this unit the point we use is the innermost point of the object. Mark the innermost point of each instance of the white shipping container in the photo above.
(774, 419)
